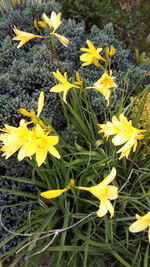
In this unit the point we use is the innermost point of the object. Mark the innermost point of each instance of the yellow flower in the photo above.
(104, 84)
(24, 37)
(40, 24)
(78, 80)
(124, 133)
(61, 38)
(40, 145)
(64, 85)
(54, 21)
(35, 118)
(110, 51)
(141, 224)
(92, 56)
(31, 114)
(14, 138)
(56, 193)
(104, 192)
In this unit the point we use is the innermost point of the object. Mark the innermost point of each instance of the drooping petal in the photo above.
(125, 150)
(105, 206)
(64, 96)
(62, 39)
(41, 153)
(138, 226)
(52, 150)
(102, 210)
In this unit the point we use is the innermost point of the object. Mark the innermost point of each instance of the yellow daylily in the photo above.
(78, 80)
(124, 133)
(141, 224)
(31, 114)
(14, 138)
(40, 24)
(64, 85)
(110, 51)
(104, 84)
(61, 38)
(40, 146)
(54, 21)
(92, 55)
(104, 192)
(56, 193)
(24, 37)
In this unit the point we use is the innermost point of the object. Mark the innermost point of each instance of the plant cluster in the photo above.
(87, 158)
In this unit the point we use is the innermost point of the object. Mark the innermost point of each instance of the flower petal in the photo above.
(62, 39)
(40, 103)
(105, 206)
(41, 153)
(138, 226)
(52, 150)
(53, 193)
(109, 178)
(112, 192)
(102, 210)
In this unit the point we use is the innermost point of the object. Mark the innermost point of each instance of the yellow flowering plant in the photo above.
(30, 141)
(104, 192)
(51, 24)
(61, 178)
(124, 133)
(24, 37)
(103, 85)
(63, 86)
(92, 55)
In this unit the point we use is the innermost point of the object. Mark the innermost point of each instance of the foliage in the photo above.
(132, 18)
(7, 5)
(91, 12)
(128, 17)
